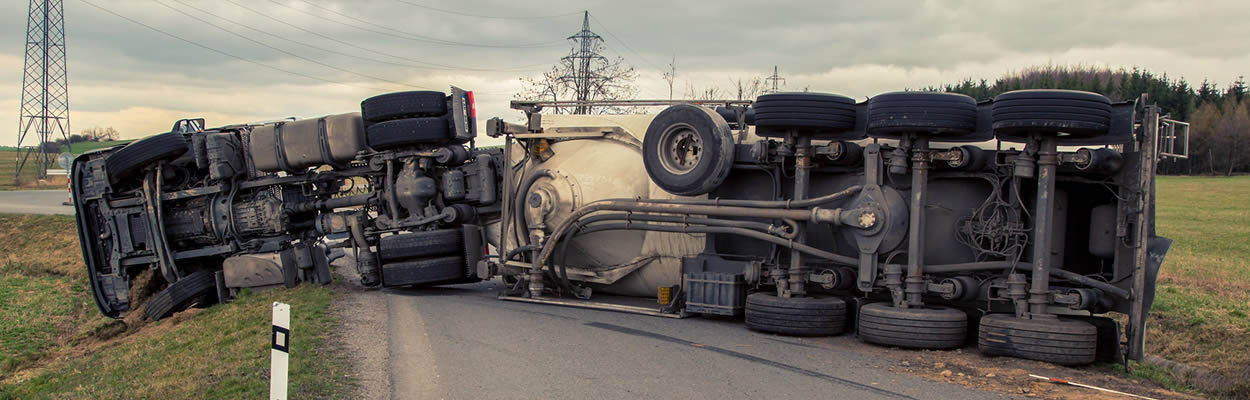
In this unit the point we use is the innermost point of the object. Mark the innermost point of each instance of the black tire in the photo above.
(795, 316)
(1057, 341)
(818, 114)
(408, 132)
(429, 271)
(1065, 113)
(391, 106)
(688, 150)
(928, 327)
(128, 160)
(939, 115)
(197, 288)
(419, 244)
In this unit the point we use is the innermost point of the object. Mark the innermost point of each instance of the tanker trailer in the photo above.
(917, 219)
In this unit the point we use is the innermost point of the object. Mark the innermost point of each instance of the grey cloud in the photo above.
(115, 64)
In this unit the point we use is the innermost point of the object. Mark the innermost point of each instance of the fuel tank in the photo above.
(297, 145)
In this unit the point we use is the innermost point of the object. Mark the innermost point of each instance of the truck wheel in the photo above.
(1057, 341)
(945, 116)
(197, 288)
(817, 114)
(688, 150)
(386, 107)
(1062, 112)
(448, 269)
(419, 244)
(927, 327)
(130, 159)
(796, 316)
(407, 132)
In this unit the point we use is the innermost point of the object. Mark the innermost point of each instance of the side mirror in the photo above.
(188, 125)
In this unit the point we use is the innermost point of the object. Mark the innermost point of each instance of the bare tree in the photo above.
(707, 93)
(584, 75)
(670, 76)
(97, 134)
(748, 89)
(1203, 138)
(1234, 133)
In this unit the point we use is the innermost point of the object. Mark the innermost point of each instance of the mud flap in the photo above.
(1156, 249)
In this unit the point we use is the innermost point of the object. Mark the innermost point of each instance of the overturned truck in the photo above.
(917, 219)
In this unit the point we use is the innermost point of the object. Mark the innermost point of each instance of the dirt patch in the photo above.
(91, 344)
(105, 333)
(142, 288)
(968, 368)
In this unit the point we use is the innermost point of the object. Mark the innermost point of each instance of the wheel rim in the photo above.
(681, 149)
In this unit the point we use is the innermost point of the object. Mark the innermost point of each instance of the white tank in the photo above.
(605, 162)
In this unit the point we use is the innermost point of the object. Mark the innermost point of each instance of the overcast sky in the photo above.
(139, 81)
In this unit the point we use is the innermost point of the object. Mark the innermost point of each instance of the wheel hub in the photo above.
(681, 149)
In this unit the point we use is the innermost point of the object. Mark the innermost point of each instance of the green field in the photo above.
(55, 344)
(1200, 315)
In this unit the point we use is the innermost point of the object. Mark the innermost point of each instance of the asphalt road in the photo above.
(45, 202)
(461, 342)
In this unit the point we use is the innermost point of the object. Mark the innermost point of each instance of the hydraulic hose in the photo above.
(580, 226)
(814, 214)
(806, 249)
(809, 202)
(514, 252)
(788, 231)
(1001, 265)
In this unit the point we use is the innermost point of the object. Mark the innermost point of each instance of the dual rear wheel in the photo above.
(1058, 341)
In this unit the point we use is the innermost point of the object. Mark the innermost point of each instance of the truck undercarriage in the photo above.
(920, 220)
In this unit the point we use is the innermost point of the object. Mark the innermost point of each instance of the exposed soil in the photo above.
(142, 288)
(109, 336)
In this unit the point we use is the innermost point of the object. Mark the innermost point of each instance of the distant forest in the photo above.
(1219, 142)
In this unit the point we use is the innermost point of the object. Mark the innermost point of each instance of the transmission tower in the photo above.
(45, 88)
(585, 53)
(774, 82)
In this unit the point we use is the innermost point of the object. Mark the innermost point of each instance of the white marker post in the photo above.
(281, 343)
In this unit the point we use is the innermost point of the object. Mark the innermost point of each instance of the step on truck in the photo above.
(919, 220)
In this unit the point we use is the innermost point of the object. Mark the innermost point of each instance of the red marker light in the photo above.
(472, 107)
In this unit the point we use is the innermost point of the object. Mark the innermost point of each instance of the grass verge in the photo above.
(55, 344)
(218, 353)
(1200, 314)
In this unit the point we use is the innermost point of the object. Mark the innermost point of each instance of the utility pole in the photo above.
(45, 87)
(774, 82)
(582, 76)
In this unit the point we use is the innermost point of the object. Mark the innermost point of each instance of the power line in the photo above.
(431, 65)
(244, 37)
(332, 51)
(408, 35)
(622, 42)
(484, 16)
(244, 59)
